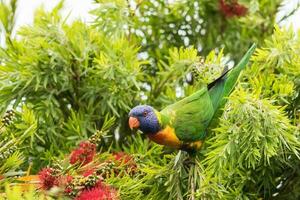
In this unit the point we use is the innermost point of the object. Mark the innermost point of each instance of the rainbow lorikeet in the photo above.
(183, 125)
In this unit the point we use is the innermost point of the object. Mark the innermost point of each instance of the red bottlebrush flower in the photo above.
(99, 192)
(67, 180)
(64, 180)
(84, 154)
(232, 8)
(68, 190)
(48, 178)
(125, 159)
(240, 10)
(122, 157)
(88, 172)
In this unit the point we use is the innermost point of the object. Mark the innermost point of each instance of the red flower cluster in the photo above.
(88, 185)
(122, 157)
(67, 180)
(232, 8)
(99, 192)
(88, 172)
(84, 154)
(125, 159)
(48, 178)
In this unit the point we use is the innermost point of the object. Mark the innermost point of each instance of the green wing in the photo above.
(224, 85)
(190, 116)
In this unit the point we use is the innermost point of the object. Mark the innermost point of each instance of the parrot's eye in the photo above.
(145, 113)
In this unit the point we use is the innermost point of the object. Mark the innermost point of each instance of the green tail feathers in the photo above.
(224, 85)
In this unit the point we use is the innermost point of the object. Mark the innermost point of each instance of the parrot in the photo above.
(184, 124)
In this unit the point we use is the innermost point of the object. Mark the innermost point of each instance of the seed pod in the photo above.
(96, 137)
(8, 117)
(8, 152)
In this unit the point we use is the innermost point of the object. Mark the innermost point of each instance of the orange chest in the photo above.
(166, 137)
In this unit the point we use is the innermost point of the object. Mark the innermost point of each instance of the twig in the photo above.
(290, 14)
(192, 189)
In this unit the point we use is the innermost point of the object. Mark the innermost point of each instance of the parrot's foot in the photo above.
(192, 147)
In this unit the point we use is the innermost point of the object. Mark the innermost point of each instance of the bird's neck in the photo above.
(162, 122)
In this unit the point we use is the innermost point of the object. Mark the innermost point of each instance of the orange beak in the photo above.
(133, 123)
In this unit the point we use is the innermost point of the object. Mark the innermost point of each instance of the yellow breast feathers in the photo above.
(166, 137)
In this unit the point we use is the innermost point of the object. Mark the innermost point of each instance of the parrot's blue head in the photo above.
(144, 118)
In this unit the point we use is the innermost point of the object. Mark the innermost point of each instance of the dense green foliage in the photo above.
(65, 80)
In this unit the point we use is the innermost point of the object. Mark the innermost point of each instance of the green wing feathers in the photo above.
(224, 86)
(190, 116)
